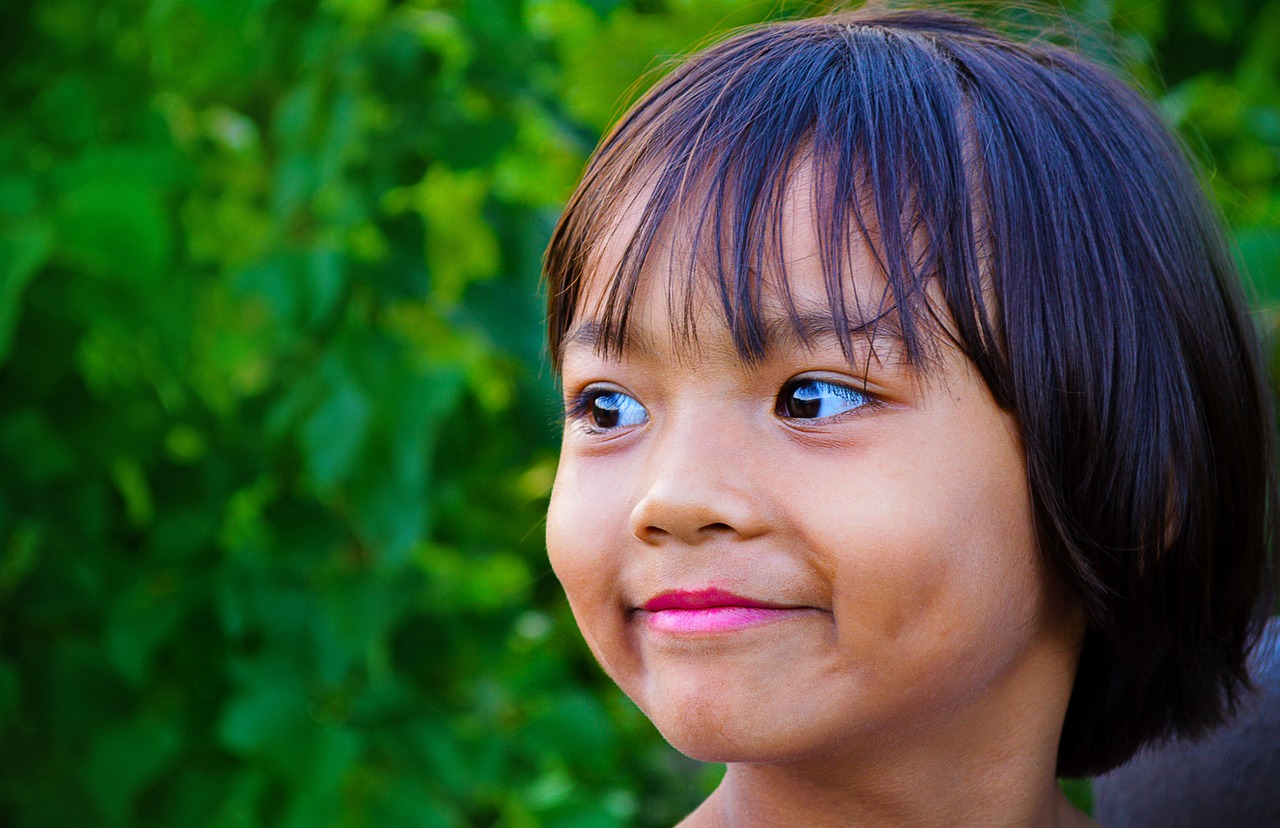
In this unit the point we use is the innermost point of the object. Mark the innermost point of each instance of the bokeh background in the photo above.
(276, 427)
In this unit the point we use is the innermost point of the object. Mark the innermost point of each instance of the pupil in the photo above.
(605, 414)
(804, 406)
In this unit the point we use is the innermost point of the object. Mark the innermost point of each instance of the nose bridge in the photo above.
(696, 484)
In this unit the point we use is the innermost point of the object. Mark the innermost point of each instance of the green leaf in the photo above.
(1259, 249)
(575, 726)
(10, 692)
(67, 106)
(461, 247)
(240, 804)
(131, 482)
(124, 759)
(583, 812)
(35, 453)
(301, 287)
(437, 747)
(266, 715)
(24, 249)
(319, 771)
(334, 434)
(19, 195)
(138, 622)
(116, 229)
(404, 802)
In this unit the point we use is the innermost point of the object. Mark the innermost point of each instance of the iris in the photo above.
(813, 399)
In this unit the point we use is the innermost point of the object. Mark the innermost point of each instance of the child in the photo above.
(917, 448)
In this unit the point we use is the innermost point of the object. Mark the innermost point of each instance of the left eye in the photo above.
(608, 410)
(815, 399)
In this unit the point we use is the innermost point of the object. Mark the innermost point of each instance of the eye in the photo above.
(605, 410)
(816, 399)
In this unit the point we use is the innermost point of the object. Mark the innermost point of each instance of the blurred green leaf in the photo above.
(334, 433)
(262, 716)
(125, 758)
(137, 623)
(115, 229)
(24, 249)
(322, 762)
(1259, 249)
(10, 690)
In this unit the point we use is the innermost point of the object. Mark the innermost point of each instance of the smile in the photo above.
(711, 611)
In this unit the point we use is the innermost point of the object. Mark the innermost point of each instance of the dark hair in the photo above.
(1083, 272)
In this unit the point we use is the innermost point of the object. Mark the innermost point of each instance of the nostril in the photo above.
(655, 533)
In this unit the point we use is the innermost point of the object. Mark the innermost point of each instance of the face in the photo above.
(801, 556)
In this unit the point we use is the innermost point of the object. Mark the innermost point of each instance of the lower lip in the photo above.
(714, 619)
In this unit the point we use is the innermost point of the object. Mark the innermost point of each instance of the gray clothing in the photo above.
(1229, 779)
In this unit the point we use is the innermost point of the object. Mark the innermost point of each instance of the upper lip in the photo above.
(691, 599)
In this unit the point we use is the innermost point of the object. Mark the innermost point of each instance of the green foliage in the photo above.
(276, 432)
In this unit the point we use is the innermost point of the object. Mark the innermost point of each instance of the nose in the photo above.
(701, 485)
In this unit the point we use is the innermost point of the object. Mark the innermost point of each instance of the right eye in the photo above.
(817, 399)
(606, 410)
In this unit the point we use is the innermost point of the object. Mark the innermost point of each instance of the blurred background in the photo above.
(276, 426)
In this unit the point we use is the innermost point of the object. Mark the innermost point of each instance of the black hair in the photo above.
(1083, 272)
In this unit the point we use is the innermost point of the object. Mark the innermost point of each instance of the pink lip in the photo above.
(709, 611)
(700, 599)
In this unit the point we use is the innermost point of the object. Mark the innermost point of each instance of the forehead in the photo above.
(693, 284)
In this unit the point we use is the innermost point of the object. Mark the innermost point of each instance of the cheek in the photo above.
(572, 526)
(580, 521)
(893, 579)
(935, 571)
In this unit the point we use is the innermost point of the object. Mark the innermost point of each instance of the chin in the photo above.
(715, 732)
(711, 746)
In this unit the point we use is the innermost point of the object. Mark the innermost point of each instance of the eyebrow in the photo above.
(781, 332)
(591, 335)
(804, 328)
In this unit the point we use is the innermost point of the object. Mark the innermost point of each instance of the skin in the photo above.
(924, 673)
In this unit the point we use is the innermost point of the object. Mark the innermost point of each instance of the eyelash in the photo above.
(582, 405)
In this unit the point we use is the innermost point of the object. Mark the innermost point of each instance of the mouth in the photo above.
(711, 611)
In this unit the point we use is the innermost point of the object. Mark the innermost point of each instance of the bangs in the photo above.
(708, 166)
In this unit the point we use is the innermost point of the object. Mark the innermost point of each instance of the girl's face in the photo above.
(803, 556)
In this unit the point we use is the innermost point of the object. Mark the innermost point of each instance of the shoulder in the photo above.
(1230, 777)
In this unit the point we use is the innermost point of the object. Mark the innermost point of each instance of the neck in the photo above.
(1049, 808)
(770, 795)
